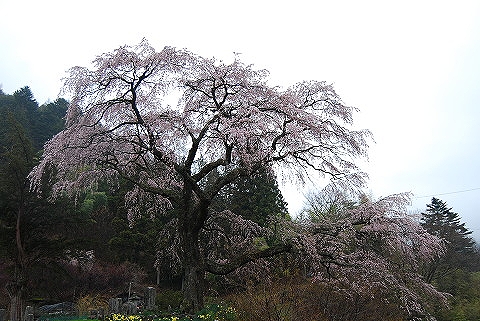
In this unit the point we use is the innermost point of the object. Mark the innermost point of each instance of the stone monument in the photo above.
(3, 314)
(114, 305)
(149, 298)
(28, 313)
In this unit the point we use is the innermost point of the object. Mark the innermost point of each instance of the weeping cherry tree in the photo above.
(166, 120)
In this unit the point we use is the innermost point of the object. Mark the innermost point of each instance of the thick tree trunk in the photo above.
(193, 283)
(190, 224)
(15, 290)
(16, 307)
(193, 288)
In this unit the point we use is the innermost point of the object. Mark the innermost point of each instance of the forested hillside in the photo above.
(46, 246)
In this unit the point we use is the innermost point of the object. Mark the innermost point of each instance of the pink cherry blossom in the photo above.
(165, 121)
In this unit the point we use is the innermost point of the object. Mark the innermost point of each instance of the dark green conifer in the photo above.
(441, 221)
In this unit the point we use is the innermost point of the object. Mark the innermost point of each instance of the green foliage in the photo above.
(454, 272)
(16, 160)
(35, 235)
(50, 120)
(39, 122)
(441, 221)
(114, 237)
(135, 241)
(465, 302)
(16, 157)
(256, 198)
(216, 312)
(24, 98)
(169, 299)
(93, 202)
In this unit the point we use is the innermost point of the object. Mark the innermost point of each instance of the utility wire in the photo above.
(448, 193)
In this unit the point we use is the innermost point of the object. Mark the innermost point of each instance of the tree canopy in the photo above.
(185, 131)
(121, 123)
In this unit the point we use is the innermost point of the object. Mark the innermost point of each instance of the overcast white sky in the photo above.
(412, 67)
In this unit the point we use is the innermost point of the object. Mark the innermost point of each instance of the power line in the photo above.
(448, 193)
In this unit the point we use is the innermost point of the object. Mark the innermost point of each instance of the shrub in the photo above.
(88, 303)
(167, 299)
(295, 298)
(216, 312)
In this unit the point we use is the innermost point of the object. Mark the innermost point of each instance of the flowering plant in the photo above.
(213, 312)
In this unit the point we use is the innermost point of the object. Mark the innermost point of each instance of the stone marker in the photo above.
(114, 305)
(28, 313)
(129, 308)
(149, 298)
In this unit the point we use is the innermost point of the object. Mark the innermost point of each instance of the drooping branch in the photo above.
(241, 260)
(228, 119)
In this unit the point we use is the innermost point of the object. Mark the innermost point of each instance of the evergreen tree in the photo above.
(50, 121)
(26, 112)
(24, 98)
(7, 106)
(16, 162)
(39, 122)
(441, 221)
(256, 198)
(35, 235)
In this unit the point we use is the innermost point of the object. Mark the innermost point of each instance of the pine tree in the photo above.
(441, 221)
(256, 198)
